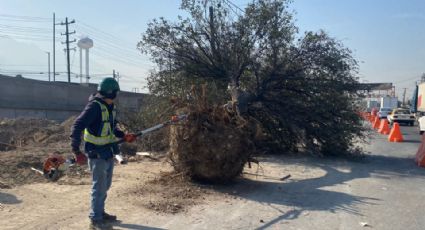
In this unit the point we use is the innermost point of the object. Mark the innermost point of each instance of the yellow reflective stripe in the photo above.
(104, 111)
(106, 135)
(88, 137)
(106, 130)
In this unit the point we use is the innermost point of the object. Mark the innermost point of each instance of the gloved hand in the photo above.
(130, 137)
(80, 158)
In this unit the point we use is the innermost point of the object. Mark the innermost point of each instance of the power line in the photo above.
(25, 18)
(109, 46)
(26, 28)
(231, 8)
(234, 5)
(109, 42)
(106, 55)
(24, 34)
(24, 38)
(102, 32)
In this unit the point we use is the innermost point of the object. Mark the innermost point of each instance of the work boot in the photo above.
(109, 217)
(98, 225)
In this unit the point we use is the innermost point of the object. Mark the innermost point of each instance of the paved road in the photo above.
(385, 191)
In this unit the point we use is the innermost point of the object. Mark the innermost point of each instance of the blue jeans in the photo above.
(101, 170)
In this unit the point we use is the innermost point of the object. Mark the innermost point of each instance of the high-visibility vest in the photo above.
(106, 135)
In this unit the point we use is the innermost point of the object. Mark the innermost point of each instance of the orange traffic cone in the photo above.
(372, 118)
(383, 127)
(420, 155)
(376, 123)
(395, 134)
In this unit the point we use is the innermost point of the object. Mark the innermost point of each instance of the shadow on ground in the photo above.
(6, 198)
(135, 226)
(311, 194)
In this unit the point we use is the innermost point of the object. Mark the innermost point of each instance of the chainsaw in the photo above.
(56, 165)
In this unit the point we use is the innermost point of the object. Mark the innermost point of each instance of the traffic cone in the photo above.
(395, 134)
(372, 118)
(420, 154)
(384, 128)
(376, 123)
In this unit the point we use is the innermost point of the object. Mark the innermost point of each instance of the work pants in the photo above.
(101, 170)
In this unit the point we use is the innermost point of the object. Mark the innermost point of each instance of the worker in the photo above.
(99, 124)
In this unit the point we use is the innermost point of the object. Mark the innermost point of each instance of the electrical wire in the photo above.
(25, 38)
(26, 18)
(108, 46)
(111, 44)
(26, 28)
(234, 5)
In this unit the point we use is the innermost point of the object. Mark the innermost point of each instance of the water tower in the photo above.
(84, 43)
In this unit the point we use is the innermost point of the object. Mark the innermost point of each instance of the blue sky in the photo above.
(386, 36)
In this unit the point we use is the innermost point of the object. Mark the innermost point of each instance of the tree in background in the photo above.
(300, 88)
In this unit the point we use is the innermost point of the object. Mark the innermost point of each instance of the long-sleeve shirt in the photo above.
(91, 118)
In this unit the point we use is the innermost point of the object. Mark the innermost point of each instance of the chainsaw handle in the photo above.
(174, 119)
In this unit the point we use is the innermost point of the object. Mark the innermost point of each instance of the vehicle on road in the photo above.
(389, 102)
(401, 115)
(421, 126)
(383, 112)
(417, 104)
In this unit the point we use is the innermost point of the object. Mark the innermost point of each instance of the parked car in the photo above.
(383, 112)
(401, 116)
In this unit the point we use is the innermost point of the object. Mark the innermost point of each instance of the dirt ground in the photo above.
(144, 185)
(383, 191)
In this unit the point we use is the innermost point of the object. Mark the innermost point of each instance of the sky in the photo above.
(387, 37)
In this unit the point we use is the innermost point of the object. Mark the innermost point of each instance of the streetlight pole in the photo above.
(48, 63)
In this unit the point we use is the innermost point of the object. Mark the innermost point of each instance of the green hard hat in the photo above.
(108, 85)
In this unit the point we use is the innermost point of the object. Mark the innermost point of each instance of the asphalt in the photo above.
(386, 190)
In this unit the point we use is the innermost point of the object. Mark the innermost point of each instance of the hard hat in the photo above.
(108, 86)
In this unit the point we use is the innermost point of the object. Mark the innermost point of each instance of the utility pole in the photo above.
(54, 49)
(67, 33)
(48, 63)
(116, 75)
(404, 96)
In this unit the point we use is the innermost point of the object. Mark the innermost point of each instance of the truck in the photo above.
(417, 105)
(418, 99)
(371, 103)
(389, 102)
(374, 103)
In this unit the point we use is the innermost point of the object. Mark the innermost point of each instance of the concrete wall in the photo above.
(21, 97)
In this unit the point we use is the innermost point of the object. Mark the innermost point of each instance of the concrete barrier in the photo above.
(28, 98)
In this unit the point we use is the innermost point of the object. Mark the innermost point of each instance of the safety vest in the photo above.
(106, 134)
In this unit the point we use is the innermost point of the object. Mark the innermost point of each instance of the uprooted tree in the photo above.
(301, 89)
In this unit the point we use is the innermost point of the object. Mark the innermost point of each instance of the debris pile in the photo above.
(212, 145)
(25, 144)
(16, 167)
(15, 133)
